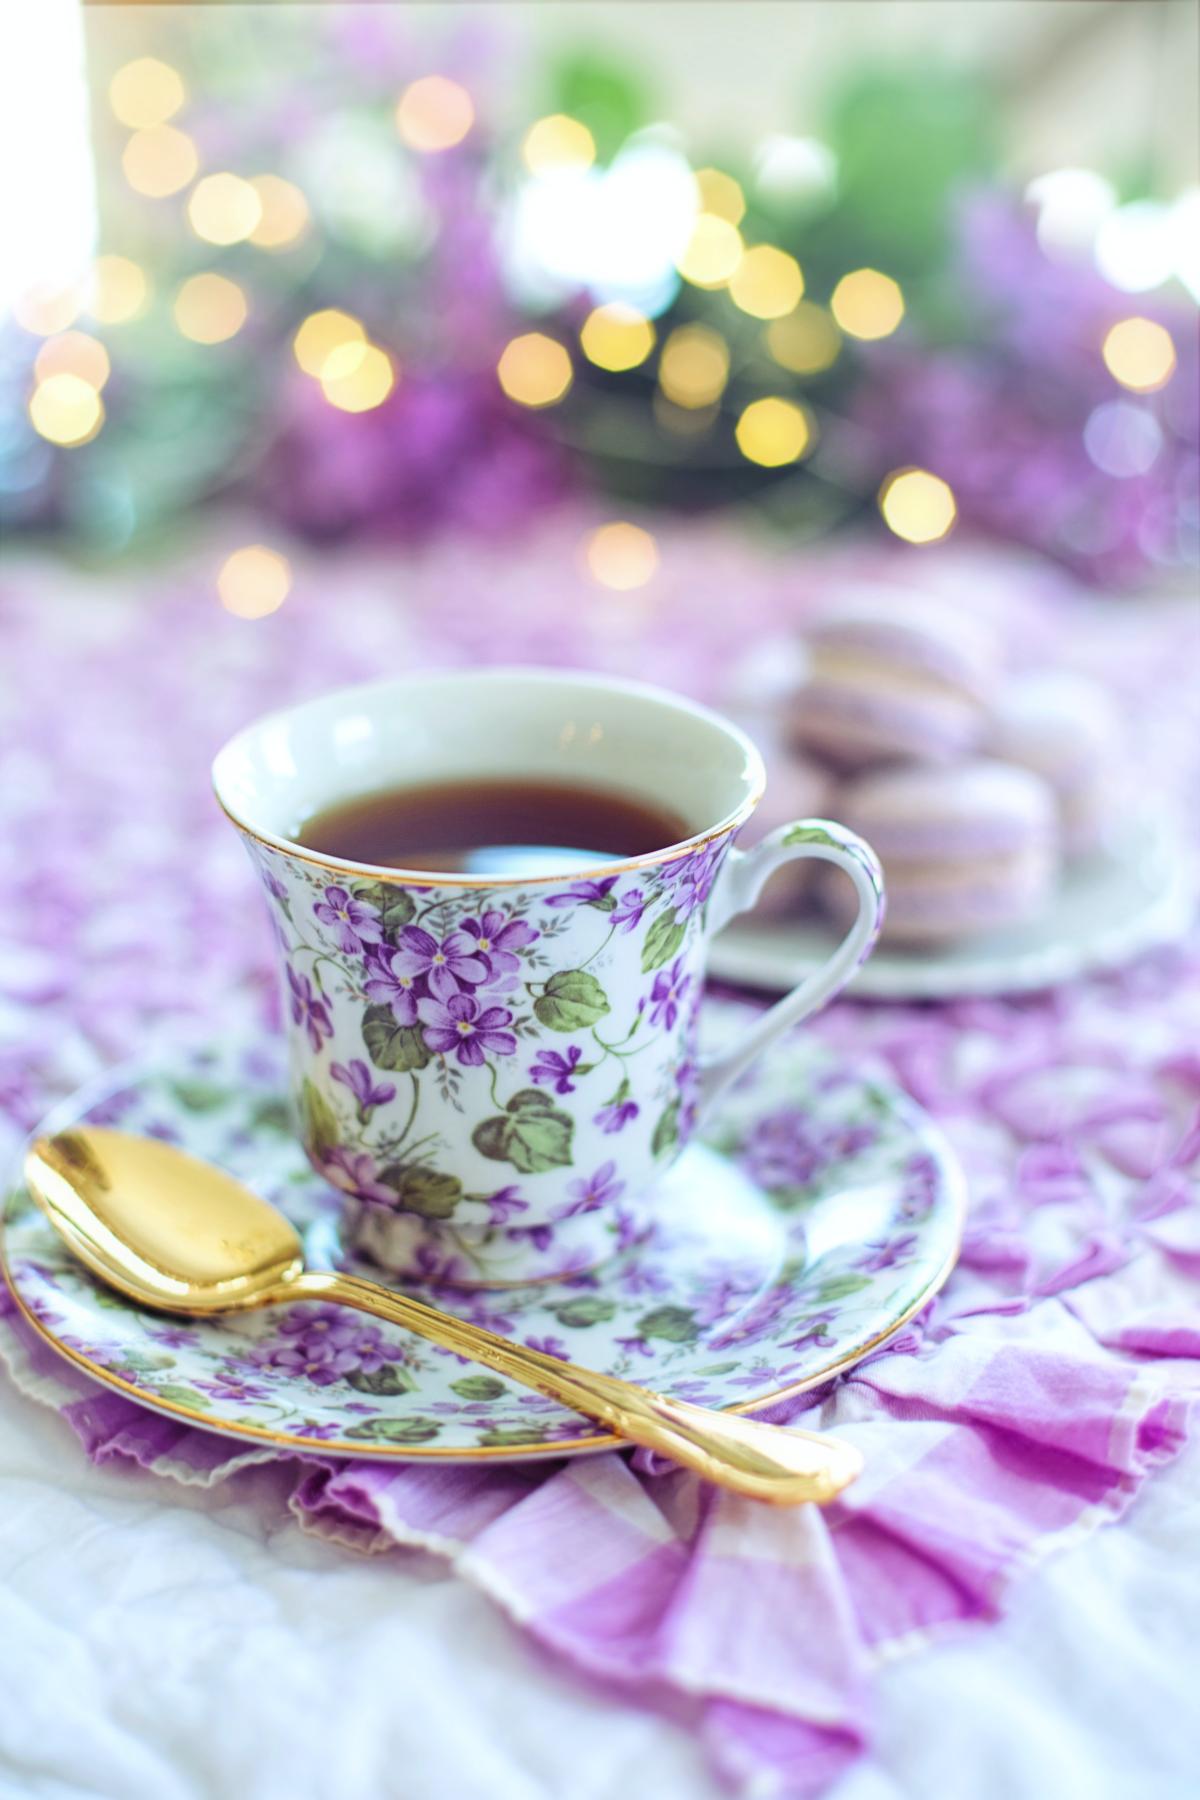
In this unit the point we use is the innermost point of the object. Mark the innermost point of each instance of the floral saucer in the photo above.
(816, 1214)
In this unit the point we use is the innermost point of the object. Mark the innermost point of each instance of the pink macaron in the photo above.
(894, 676)
(796, 789)
(965, 849)
(1065, 728)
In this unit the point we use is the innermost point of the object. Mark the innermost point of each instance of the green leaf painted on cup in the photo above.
(662, 940)
(423, 1191)
(392, 1378)
(318, 1120)
(589, 1309)
(400, 1048)
(532, 1134)
(677, 1324)
(571, 1001)
(478, 1387)
(666, 1132)
(811, 834)
(395, 905)
(395, 1431)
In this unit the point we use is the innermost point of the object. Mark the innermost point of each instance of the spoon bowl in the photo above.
(177, 1235)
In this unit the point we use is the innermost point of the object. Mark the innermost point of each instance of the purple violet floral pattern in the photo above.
(718, 1299)
(450, 1044)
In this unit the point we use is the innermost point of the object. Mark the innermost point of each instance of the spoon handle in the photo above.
(765, 1462)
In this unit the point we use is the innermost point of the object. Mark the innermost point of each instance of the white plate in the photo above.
(1107, 910)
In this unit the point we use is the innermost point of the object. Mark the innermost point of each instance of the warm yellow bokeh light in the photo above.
(119, 290)
(66, 410)
(159, 161)
(357, 377)
(146, 92)
(720, 194)
(773, 432)
(282, 212)
(254, 581)
(534, 370)
(917, 506)
(712, 252)
(805, 341)
(223, 209)
(694, 366)
(616, 337)
(1140, 353)
(558, 142)
(321, 334)
(867, 304)
(45, 310)
(434, 114)
(73, 353)
(621, 555)
(766, 283)
(210, 308)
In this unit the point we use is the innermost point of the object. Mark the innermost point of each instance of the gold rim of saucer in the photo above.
(539, 1452)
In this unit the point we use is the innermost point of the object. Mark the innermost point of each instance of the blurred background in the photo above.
(357, 277)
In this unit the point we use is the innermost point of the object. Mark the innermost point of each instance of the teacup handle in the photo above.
(741, 881)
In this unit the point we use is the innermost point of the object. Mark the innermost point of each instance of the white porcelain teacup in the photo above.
(497, 1069)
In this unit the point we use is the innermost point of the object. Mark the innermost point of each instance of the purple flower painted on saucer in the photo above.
(386, 985)
(588, 1196)
(233, 1388)
(504, 1204)
(549, 1346)
(584, 893)
(551, 1065)
(354, 923)
(540, 1236)
(367, 1091)
(324, 1343)
(462, 1026)
(308, 1009)
(670, 986)
(447, 966)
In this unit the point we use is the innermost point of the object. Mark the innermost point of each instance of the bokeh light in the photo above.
(119, 291)
(321, 334)
(209, 308)
(65, 409)
(223, 209)
(616, 337)
(1122, 439)
(621, 555)
(282, 212)
(146, 93)
(254, 581)
(557, 142)
(917, 505)
(357, 377)
(720, 194)
(534, 370)
(694, 366)
(160, 161)
(73, 353)
(1072, 205)
(766, 283)
(867, 304)
(772, 432)
(1136, 246)
(712, 252)
(795, 169)
(44, 310)
(434, 114)
(805, 341)
(1140, 354)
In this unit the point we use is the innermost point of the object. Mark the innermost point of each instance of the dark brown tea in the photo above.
(493, 827)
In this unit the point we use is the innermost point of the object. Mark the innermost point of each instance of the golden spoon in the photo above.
(181, 1236)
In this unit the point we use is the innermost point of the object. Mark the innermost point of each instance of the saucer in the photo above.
(816, 1214)
(1109, 908)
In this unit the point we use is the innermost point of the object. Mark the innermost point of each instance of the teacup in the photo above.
(520, 1136)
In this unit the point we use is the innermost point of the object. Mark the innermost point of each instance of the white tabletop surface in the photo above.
(164, 1643)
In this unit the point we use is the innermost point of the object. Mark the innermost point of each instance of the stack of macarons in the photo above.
(974, 786)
